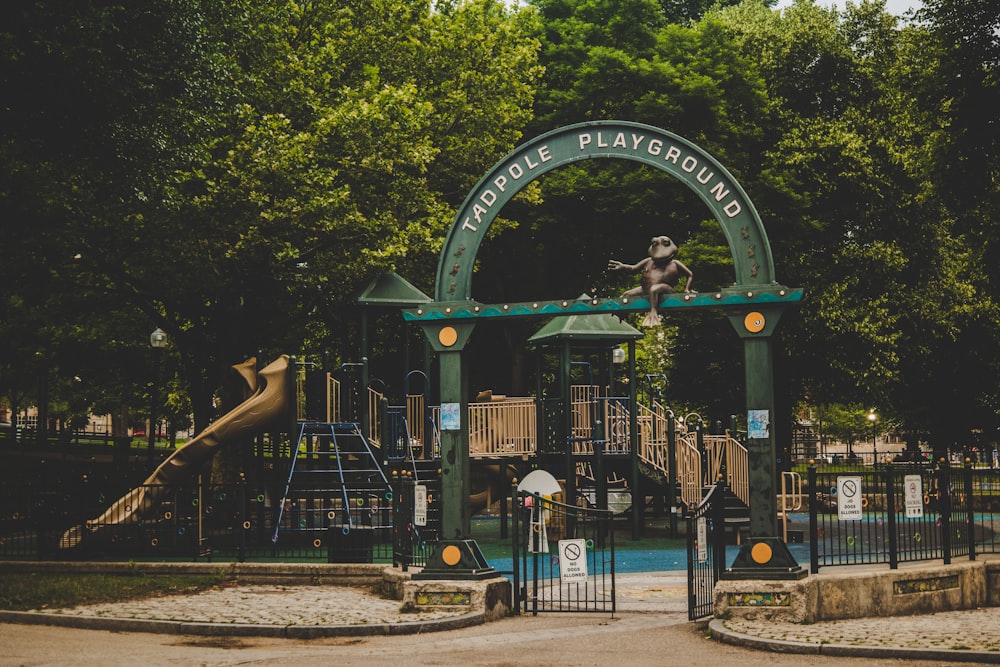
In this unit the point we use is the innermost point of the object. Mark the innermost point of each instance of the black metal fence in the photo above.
(564, 556)
(706, 551)
(94, 519)
(902, 513)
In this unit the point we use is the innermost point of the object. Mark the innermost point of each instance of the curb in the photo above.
(240, 630)
(723, 634)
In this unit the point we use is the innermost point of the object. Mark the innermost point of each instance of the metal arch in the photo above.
(698, 170)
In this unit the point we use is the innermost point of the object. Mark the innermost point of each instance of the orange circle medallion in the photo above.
(754, 322)
(451, 555)
(448, 336)
(761, 553)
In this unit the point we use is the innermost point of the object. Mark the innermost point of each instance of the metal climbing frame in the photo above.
(336, 493)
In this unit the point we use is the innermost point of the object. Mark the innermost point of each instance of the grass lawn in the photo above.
(21, 591)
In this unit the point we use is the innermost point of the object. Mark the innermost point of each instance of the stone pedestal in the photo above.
(491, 596)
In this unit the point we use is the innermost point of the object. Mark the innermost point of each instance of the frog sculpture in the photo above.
(660, 274)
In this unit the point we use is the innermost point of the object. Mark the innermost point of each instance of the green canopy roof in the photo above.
(595, 328)
(391, 290)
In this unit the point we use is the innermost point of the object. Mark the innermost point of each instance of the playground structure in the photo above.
(600, 440)
(268, 404)
(336, 480)
(506, 429)
(357, 470)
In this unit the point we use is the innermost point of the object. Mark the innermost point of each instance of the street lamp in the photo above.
(872, 418)
(617, 361)
(157, 341)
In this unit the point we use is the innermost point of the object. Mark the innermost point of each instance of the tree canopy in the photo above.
(234, 172)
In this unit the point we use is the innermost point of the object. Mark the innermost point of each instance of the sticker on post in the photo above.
(758, 424)
(451, 419)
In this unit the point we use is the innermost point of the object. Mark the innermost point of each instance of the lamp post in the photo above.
(618, 357)
(157, 341)
(872, 418)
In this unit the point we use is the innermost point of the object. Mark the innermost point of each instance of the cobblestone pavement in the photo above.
(267, 605)
(258, 609)
(955, 631)
(956, 636)
(316, 611)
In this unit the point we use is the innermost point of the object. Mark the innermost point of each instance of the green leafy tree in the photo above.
(240, 170)
(686, 79)
(947, 79)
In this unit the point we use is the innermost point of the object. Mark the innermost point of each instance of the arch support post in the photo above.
(455, 488)
(764, 555)
(456, 555)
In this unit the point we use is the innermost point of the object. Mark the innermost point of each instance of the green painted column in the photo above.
(756, 327)
(449, 341)
(455, 486)
(565, 382)
(761, 452)
(638, 499)
(764, 555)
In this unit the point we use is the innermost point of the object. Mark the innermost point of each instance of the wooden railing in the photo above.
(725, 457)
(375, 416)
(506, 427)
(584, 410)
(654, 450)
(332, 398)
(722, 450)
(415, 423)
(689, 477)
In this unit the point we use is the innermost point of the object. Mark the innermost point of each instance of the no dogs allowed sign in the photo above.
(849, 498)
(572, 561)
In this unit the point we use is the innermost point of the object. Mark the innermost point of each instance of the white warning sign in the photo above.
(913, 494)
(420, 505)
(849, 507)
(702, 540)
(572, 561)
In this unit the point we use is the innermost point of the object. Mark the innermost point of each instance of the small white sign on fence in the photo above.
(572, 560)
(849, 498)
(419, 505)
(702, 540)
(913, 494)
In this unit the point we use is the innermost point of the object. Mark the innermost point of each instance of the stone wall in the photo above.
(922, 588)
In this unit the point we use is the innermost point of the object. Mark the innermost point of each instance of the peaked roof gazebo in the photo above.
(388, 291)
(602, 333)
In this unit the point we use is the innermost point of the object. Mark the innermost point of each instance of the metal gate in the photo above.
(706, 542)
(563, 556)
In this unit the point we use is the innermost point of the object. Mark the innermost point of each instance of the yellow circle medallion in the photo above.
(448, 336)
(754, 322)
(451, 555)
(761, 553)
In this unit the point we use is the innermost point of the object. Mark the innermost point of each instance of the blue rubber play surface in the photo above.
(662, 560)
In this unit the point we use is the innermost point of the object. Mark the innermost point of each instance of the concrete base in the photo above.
(765, 558)
(456, 559)
(915, 589)
(491, 596)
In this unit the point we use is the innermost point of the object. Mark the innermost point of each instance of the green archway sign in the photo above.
(754, 302)
(613, 140)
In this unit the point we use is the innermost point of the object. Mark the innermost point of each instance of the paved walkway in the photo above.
(318, 611)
